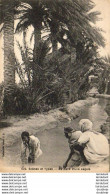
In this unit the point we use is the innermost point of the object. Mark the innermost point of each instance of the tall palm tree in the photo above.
(9, 72)
(7, 12)
(32, 15)
(68, 17)
(54, 16)
(60, 18)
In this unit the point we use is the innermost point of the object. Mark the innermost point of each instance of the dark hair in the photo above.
(24, 133)
(68, 130)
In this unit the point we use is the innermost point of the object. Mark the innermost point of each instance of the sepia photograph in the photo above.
(54, 86)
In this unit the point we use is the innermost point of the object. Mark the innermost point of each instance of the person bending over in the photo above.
(76, 155)
(30, 148)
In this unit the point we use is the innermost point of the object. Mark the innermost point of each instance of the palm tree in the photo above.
(9, 72)
(7, 12)
(70, 18)
(41, 15)
(26, 13)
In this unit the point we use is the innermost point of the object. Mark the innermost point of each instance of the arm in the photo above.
(84, 138)
(69, 157)
(23, 153)
(73, 143)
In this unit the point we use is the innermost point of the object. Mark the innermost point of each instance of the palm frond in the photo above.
(94, 16)
(1, 28)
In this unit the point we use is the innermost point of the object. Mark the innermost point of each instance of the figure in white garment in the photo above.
(96, 147)
(30, 148)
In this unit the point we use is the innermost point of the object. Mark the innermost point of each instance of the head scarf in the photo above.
(86, 125)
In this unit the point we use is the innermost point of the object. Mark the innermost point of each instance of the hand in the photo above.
(64, 165)
(29, 159)
(83, 145)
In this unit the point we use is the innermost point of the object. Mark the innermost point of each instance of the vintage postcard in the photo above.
(54, 85)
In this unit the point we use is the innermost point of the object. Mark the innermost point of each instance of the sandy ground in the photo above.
(49, 129)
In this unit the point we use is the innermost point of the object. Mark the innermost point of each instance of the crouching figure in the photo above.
(74, 157)
(96, 147)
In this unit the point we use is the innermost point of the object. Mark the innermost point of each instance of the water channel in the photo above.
(53, 142)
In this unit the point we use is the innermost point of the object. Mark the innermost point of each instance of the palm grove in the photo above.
(64, 52)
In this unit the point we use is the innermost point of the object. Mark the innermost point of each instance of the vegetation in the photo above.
(50, 75)
(104, 78)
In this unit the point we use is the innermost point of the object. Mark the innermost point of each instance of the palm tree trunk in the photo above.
(26, 55)
(54, 31)
(9, 68)
(37, 39)
(54, 43)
